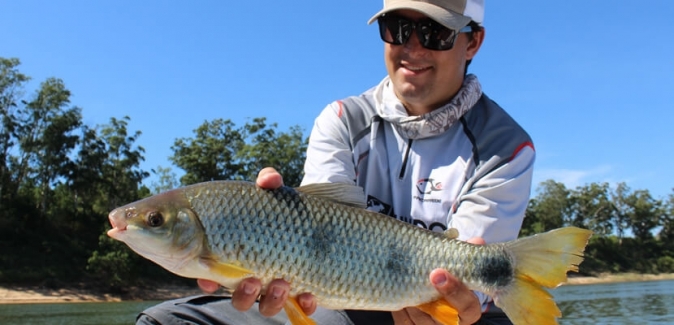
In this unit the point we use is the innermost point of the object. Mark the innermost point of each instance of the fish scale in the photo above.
(347, 257)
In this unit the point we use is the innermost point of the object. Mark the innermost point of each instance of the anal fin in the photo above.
(441, 311)
(295, 313)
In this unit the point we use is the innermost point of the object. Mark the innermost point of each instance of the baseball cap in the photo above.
(453, 14)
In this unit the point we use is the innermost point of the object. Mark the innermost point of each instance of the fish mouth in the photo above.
(118, 222)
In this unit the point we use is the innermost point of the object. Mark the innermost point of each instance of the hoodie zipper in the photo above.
(407, 156)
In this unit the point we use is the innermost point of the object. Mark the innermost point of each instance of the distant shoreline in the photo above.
(34, 294)
(619, 277)
(38, 295)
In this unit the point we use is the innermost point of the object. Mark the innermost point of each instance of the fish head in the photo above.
(162, 228)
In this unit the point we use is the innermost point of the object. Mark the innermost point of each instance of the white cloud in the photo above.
(573, 178)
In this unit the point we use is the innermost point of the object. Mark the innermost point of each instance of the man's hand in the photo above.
(454, 291)
(249, 289)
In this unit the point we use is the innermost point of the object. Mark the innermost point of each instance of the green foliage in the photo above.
(211, 154)
(117, 267)
(665, 264)
(645, 215)
(112, 263)
(268, 148)
(221, 151)
(611, 214)
(58, 180)
(11, 89)
(548, 210)
(591, 208)
(167, 180)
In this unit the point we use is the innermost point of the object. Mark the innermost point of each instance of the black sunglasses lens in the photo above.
(433, 36)
(394, 30)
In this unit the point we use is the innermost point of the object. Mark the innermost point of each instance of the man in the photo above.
(427, 146)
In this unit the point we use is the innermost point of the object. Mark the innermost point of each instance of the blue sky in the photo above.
(591, 81)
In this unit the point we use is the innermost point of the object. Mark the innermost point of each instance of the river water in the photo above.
(649, 302)
(616, 303)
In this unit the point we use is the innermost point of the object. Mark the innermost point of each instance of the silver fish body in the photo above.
(347, 257)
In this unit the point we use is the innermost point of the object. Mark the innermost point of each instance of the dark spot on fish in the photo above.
(496, 271)
(395, 262)
(322, 239)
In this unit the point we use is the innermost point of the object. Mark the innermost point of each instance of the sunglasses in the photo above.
(432, 35)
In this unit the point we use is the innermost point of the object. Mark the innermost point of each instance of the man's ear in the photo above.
(475, 44)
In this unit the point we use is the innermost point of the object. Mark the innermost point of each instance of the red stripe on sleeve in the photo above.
(341, 109)
(522, 146)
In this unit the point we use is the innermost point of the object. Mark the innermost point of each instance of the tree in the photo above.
(114, 163)
(266, 148)
(220, 151)
(645, 214)
(11, 89)
(120, 171)
(548, 209)
(592, 209)
(58, 181)
(211, 154)
(85, 176)
(167, 180)
(105, 173)
(622, 207)
(666, 234)
(45, 136)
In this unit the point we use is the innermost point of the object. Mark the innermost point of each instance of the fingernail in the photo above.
(277, 292)
(439, 280)
(305, 303)
(248, 288)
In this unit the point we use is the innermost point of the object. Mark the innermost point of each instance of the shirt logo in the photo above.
(428, 186)
(374, 204)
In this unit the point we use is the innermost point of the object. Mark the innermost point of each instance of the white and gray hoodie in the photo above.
(467, 165)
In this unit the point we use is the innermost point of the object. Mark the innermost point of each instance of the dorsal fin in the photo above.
(347, 194)
(452, 233)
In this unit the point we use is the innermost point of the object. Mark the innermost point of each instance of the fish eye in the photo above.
(155, 219)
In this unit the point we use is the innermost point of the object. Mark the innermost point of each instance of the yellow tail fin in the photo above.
(540, 261)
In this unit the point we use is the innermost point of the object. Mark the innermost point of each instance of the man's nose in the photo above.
(413, 44)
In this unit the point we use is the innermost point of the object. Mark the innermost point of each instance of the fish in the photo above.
(322, 240)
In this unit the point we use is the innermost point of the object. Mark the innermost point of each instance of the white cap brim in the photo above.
(447, 18)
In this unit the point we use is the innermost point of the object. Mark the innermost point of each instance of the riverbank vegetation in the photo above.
(59, 178)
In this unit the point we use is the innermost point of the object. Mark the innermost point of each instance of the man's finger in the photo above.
(208, 286)
(275, 298)
(307, 302)
(245, 295)
(401, 317)
(476, 241)
(269, 178)
(458, 295)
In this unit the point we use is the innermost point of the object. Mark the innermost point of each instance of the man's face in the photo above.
(425, 79)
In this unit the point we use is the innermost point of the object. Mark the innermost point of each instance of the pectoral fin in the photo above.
(295, 313)
(441, 311)
(230, 271)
